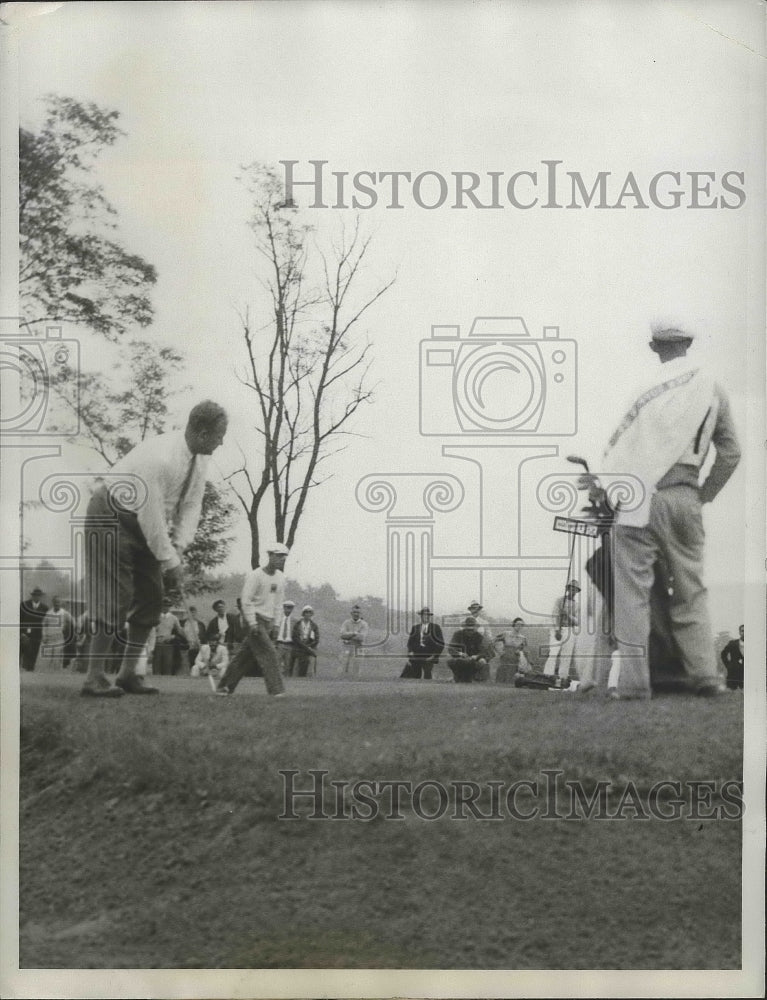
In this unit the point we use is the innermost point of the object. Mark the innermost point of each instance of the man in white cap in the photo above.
(353, 632)
(563, 638)
(285, 648)
(263, 594)
(663, 441)
(481, 627)
(306, 638)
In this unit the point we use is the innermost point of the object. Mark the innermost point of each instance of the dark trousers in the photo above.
(30, 647)
(164, 659)
(301, 663)
(464, 671)
(124, 580)
(256, 649)
(418, 664)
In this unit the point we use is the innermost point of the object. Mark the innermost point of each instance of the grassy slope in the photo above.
(149, 835)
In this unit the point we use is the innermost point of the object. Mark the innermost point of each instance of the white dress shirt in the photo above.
(163, 463)
(285, 633)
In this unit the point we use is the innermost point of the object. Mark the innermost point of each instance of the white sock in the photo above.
(615, 670)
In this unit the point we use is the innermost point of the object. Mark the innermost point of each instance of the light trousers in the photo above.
(675, 534)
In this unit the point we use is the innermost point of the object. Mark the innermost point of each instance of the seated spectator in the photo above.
(512, 660)
(468, 654)
(212, 661)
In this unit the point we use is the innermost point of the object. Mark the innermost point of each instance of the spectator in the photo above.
(425, 645)
(732, 658)
(468, 654)
(84, 630)
(223, 627)
(563, 640)
(482, 626)
(513, 659)
(306, 638)
(166, 644)
(58, 629)
(285, 649)
(31, 615)
(353, 632)
(194, 634)
(211, 662)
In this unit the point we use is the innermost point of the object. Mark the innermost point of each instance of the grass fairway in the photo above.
(150, 838)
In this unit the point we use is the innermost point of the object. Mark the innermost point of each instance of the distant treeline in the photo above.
(330, 610)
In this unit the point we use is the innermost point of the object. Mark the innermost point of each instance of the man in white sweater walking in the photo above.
(263, 595)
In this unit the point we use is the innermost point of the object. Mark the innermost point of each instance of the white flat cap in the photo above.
(669, 328)
(278, 548)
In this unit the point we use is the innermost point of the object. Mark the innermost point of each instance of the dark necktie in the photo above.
(184, 489)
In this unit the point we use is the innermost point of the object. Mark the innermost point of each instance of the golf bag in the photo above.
(666, 667)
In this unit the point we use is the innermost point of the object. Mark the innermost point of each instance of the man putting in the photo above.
(125, 576)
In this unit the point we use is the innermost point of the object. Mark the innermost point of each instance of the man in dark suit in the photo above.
(224, 626)
(306, 637)
(31, 614)
(424, 644)
(732, 658)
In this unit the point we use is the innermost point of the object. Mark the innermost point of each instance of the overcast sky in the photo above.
(633, 87)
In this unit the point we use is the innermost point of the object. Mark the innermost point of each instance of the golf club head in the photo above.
(577, 460)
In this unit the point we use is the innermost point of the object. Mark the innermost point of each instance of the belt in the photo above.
(679, 474)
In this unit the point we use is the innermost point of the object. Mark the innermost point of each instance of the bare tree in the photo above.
(307, 366)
